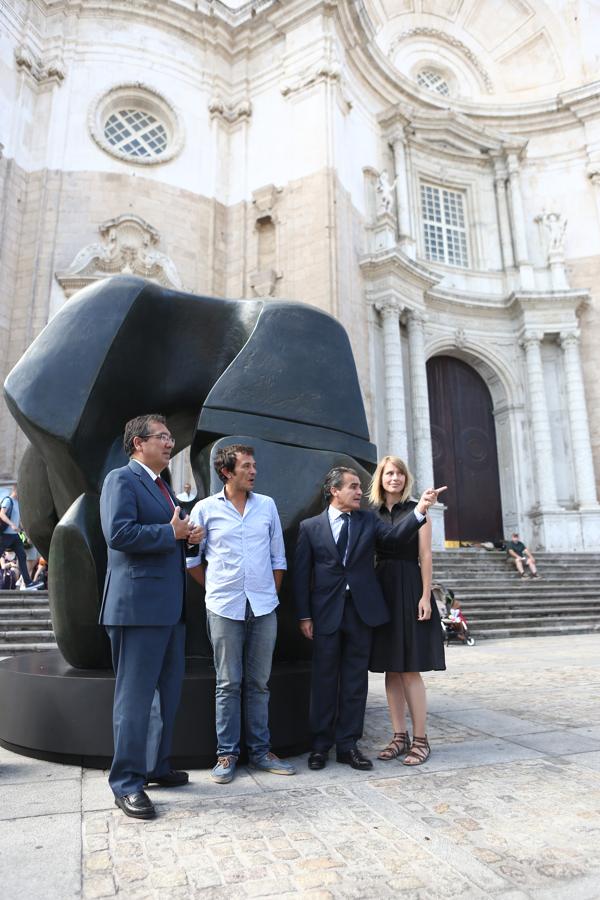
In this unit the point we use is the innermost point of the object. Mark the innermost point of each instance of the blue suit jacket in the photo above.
(320, 578)
(145, 579)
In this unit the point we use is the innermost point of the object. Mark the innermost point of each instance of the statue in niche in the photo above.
(384, 192)
(555, 225)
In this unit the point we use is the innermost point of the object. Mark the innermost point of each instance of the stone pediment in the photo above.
(128, 246)
(449, 132)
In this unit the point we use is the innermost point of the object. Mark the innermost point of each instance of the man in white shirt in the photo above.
(245, 561)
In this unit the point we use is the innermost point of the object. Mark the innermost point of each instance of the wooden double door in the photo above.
(465, 456)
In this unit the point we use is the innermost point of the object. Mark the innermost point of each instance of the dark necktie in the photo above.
(342, 541)
(164, 490)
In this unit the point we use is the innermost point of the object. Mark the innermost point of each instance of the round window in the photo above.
(433, 81)
(137, 124)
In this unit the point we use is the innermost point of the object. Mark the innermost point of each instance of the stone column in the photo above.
(540, 424)
(585, 481)
(420, 401)
(503, 217)
(406, 236)
(518, 222)
(394, 379)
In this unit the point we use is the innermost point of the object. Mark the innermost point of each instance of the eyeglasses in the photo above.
(161, 435)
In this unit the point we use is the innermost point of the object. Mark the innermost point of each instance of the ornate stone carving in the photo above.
(230, 113)
(264, 200)
(325, 70)
(444, 38)
(43, 72)
(570, 337)
(531, 338)
(128, 246)
(460, 338)
(389, 308)
(263, 282)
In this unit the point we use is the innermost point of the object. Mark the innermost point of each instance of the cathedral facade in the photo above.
(427, 171)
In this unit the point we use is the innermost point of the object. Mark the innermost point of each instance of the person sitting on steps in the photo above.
(521, 556)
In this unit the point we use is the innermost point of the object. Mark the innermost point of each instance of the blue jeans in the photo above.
(243, 652)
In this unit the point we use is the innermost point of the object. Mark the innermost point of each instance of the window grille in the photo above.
(433, 81)
(136, 133)
(444, 226)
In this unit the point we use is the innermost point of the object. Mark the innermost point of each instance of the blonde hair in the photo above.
(376, 492)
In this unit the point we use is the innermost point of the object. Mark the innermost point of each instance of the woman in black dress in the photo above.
(412, 641)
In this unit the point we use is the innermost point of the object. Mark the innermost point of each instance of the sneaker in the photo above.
(271, 763)
(224, 770)
(30, 587)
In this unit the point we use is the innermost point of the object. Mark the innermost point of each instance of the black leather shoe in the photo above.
(317, 760)
(138, 805)
(171, 779)
(355, 759)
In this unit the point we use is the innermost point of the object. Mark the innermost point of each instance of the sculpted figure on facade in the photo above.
(555, 226)
(384, 191)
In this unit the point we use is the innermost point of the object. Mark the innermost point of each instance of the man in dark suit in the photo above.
(339, 602)
(142, 611)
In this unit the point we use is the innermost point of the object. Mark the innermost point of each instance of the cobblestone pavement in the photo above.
(507, 807)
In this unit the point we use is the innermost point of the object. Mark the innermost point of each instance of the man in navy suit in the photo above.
(142, 611)
(339, 602)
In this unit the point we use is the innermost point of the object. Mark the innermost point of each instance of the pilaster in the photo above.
(581, 447)
(395, 405)
(518, 223)
(540, 425)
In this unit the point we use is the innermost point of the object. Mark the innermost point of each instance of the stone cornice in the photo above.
(572, 299)
(392, 263)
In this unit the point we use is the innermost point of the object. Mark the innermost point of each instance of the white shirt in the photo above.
(152, 474)
(242, 551)
(185, 497)
(336, 522)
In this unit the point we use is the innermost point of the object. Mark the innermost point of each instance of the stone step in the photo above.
(23, 611)
(25, 624)
(484, 617)
(24, 598)
(506, 569)
(12, 649)
(478, 626)
(539, 605)
(21, 636)
(464, 553)
(537, 630)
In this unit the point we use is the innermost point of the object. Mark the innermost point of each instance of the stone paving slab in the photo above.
(508, 807)
(40, 856)
(40, 798)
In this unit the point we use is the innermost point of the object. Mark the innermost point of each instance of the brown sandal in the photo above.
(398, 745)
(420, 752)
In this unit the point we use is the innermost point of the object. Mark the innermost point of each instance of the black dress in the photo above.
(404, 644)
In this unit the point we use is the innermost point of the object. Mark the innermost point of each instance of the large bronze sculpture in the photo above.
(276, 374)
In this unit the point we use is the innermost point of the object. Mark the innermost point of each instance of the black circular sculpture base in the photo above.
(55, 712)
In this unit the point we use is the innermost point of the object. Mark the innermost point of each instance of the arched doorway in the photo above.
(464, 450)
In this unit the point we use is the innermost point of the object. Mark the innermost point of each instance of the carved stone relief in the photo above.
(128, 246)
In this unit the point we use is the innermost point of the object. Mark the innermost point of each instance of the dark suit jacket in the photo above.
(320, 578)
(145, 579)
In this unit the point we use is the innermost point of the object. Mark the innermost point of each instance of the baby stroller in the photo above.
(454, 623)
